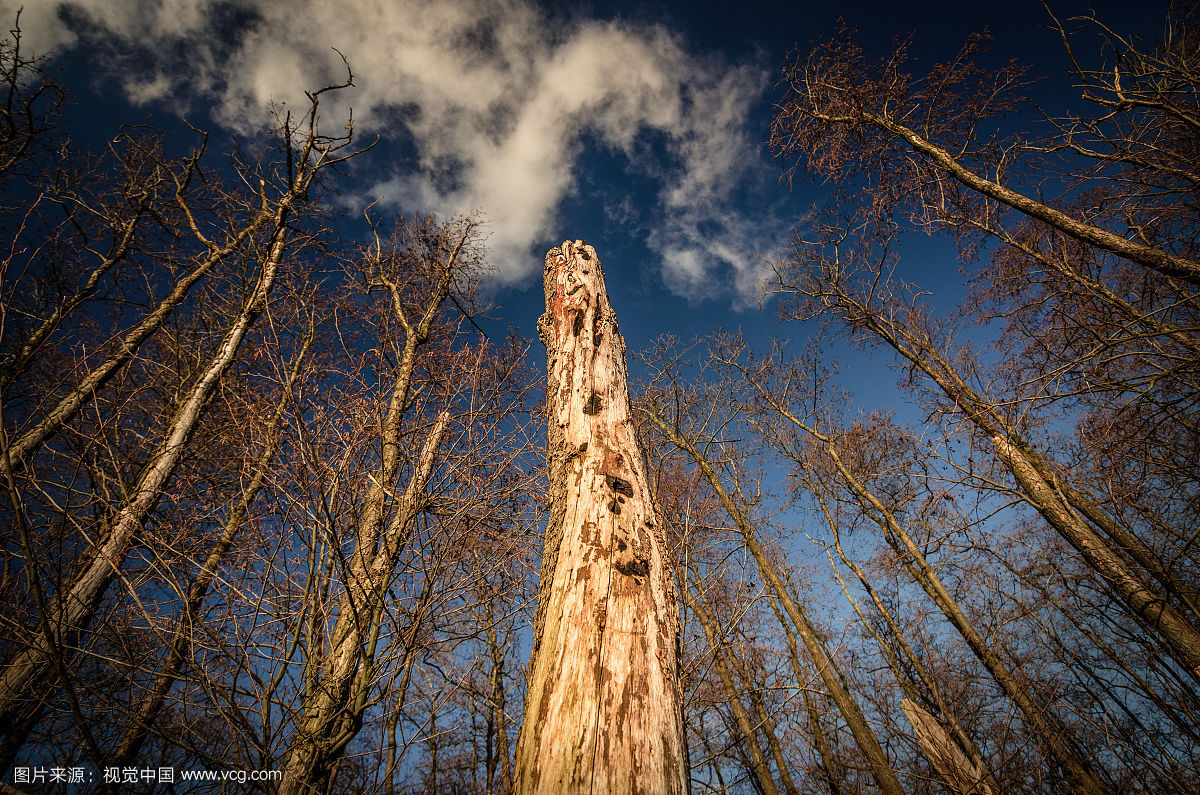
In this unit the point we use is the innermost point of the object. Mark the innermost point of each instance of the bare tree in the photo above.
(63, 612)
(779, 390)
(1087, 411)
(416, 275)
(152, 700)
(30, 107)
(848, 116)
(694, 426)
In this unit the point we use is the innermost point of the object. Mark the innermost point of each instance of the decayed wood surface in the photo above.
(603, 705)
(959, 773)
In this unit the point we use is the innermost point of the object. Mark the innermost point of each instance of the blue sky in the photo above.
(638, 126)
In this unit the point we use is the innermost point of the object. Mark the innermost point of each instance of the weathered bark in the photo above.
(603, 704)
(960, 774)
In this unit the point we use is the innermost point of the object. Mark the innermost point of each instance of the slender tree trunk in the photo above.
(831, 676)
(152, 700)
(714, 761)
(829, 763)
(864, 736)
(766, 723)
(1066, 509)
(1159, 259)
(334, 709)
(340, 674)
(497, 725)
(17, 455)
(965, 745)
(400, 691)
(75, 608)
(603, 705)
(931, 692)
(751, 686)
(749, 740)
(830, 769)
(118, 250)
(1053, 733)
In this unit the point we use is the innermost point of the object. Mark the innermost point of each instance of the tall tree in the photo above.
(415, 274)
(41, 653)
(602, 709)
(694, 426)
(1097, 286)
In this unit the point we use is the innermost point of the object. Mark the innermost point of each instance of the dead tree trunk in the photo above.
(603, 706)
(960, 774)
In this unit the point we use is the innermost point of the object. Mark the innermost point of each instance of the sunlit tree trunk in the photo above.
(960, 774)
(399, 689)
(68, 598)
(824, 753)
(603, 703)
(334, 710)
(863, 734)
(1053, 733)
(151, 703)
(416, 274)
(733, 693)
(30, 669)
(752, 683)
(1040, 483)
(825, 756)
(829, 763)
(1077, 281)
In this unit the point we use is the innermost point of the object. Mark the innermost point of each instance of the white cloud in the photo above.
(155, 89)
(495, 99)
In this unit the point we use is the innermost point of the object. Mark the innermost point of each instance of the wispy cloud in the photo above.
(497, 99)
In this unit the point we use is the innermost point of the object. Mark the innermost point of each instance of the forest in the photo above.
(273, 501)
